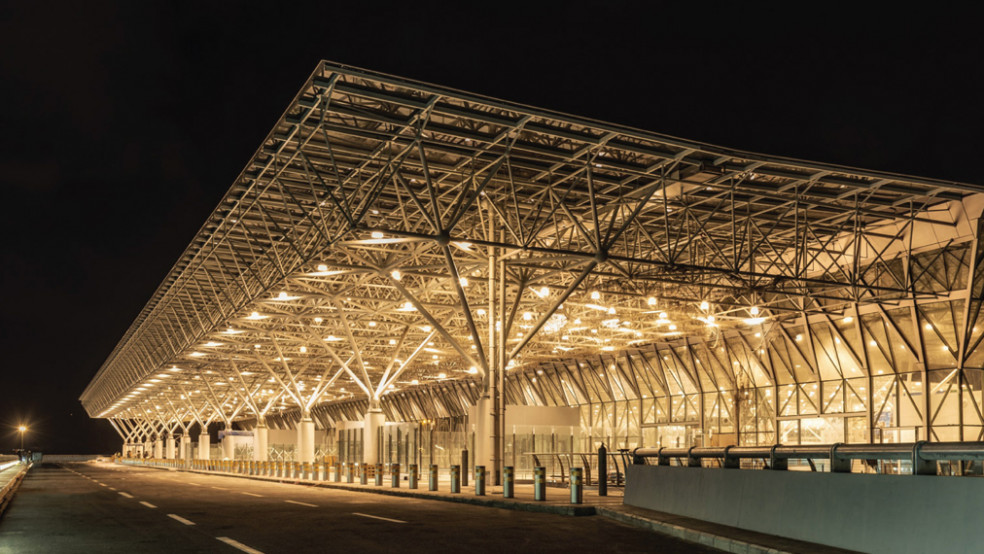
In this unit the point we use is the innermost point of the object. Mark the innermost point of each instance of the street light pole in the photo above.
(22, 429)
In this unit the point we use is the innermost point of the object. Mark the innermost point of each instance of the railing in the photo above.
(922, 455)
(559, 464)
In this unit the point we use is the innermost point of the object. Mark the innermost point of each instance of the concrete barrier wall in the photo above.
(870, 513)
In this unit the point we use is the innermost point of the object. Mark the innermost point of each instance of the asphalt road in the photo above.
(104, 508)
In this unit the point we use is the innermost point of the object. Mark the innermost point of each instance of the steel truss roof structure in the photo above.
(390, 236)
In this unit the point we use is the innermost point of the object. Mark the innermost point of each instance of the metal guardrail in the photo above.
(922, 454)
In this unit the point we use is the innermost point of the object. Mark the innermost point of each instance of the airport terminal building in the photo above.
(403, 271)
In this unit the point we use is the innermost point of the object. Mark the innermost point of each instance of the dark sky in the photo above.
(121, 126)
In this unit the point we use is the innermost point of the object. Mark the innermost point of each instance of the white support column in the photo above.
(261, 440)
(483, 432)
(375, 419)
(305, 438)
(158, 447)
(169, 446)
(184, 446)
(228, 444)
(148, 447)
(203, 445)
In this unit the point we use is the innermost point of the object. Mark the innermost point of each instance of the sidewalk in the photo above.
(10, 479)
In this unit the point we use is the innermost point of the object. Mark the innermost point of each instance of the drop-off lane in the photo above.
(272, 517)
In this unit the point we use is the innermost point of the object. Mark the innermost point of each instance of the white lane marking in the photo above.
(181, 519)
(148, 504)
(196, 484)
(253, 494)
(379, 517)
(220, 488)
(103, 485)
(126, 494)
(112, 488)
(301, 503)
(239, 545)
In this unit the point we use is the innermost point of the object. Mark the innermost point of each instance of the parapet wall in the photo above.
(869, 513)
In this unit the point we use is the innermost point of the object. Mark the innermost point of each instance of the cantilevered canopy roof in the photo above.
(385, 222)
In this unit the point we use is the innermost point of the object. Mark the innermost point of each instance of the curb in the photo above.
(10, 489)
(566, 510)
(712, 540)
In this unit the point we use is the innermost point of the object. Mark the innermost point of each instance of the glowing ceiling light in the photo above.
(673, 327)
(473, 370)
(256, 315)
(928, 327)
(392, 342)
(754, 320)
(463, 281)
(396, 275)
(282, 296)
(426, 328)
(754, 310)
(543, 292)
(318, 319)
(611, 311)
(480, 311)
(322, 267)
(212, 344)
(651, 301)
(257, 346)
(332, 338)
(376, 235)
(415, 382)
(848, 319)
(595, 295)
(372, 323)
(607, 348)
(442, 375)
(705, 305)
(662, 315)
(527, 316)
(196, 354)
(303, 349)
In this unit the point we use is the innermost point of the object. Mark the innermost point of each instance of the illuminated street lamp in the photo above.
(22, 429)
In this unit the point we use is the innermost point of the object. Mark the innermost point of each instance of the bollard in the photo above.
(306, 471)
(379, 475)
(577, 485)
(363, 474)
(412, 476)
(280, 469)
(395, 473)
(297, 471)
(349, 473)
(602, 471)
(337, 468)
(539, 483)
(432, 478)
(464, 464)
(479, 480)
(508, 478)
(455, 479)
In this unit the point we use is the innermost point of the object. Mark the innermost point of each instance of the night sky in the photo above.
(122, 126)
